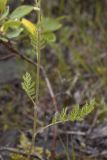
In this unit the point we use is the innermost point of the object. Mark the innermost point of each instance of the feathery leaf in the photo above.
(28, 85)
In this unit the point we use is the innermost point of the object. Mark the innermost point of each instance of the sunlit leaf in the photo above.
(51, 24)
(21, 11)
(10, 24)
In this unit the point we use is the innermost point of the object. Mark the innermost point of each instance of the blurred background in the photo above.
(76, 65)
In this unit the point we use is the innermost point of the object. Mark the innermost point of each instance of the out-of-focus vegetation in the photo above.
(82, 52)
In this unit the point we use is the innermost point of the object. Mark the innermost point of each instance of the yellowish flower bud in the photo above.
(30, 27)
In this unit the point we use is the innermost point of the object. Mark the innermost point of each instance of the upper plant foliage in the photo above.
(12, 24)
(45, 29)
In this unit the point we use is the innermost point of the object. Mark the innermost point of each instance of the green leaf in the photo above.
(14, 33)
(2, 5)
(5, 14)
(87, 108)
(10, 24)
(50, 25)
(49, 37)
(29, 86)
(21, 11)
(74, 115)
(63, 115)
(77, 114)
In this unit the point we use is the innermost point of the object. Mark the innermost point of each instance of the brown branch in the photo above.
(14, 52)
(20, 152)
(6, 57)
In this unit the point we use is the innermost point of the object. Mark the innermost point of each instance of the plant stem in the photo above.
(37, 79)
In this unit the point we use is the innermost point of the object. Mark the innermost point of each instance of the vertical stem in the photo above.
(38, 75)
(38, 54)
(37, 79)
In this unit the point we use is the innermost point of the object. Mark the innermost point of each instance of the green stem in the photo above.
(37, 81)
